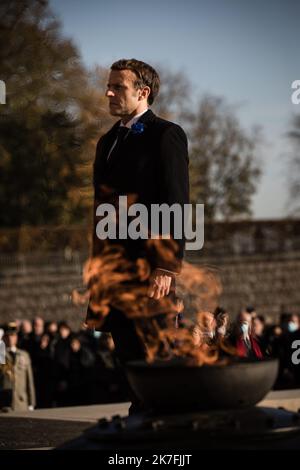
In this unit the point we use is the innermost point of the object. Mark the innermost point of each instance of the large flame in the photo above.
(114, 281)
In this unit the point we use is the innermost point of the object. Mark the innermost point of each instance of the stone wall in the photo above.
(40, 284)
(270, 283)
(258, 263)
(43, 284)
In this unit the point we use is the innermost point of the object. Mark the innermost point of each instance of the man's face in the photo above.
(26, 327)
(124, 99)
(11, 340)
(52, 327)
(38, 326)
(64, 332)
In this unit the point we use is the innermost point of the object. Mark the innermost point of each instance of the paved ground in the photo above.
(89, 414)
(28, 433)
(49, 428)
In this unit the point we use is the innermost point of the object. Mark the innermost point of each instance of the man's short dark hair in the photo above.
(64, 324)
(146, 75)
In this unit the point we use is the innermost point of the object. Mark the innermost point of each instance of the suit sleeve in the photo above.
(174, 182)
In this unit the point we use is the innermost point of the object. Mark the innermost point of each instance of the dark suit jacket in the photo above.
(153, 165)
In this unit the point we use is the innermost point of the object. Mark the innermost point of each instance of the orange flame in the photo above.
(114, 281)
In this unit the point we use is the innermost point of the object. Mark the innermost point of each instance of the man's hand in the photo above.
(160, 283)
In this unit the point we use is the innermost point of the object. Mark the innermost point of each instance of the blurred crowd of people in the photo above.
(251, 337)
(46, 364)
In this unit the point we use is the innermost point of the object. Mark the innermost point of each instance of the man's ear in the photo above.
(145, 92)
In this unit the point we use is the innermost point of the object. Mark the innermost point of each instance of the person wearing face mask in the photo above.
(289, 372)
(292, 347)
(244, 341)
(293, 323)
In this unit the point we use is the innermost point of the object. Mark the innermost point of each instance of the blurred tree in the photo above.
(294, 178)
(56, 111)
(224, 172)
(173, 99)
(51, 121)
(39, 169)
(223, 169)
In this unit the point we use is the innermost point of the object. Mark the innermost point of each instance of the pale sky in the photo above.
(247, 52)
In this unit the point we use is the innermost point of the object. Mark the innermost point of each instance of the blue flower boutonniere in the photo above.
(137, 128)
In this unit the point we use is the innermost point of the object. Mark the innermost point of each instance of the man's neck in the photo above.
(136, 112)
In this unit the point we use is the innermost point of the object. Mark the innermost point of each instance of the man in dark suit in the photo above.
(147, 156)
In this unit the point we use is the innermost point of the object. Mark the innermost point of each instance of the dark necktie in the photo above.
(122, 132)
